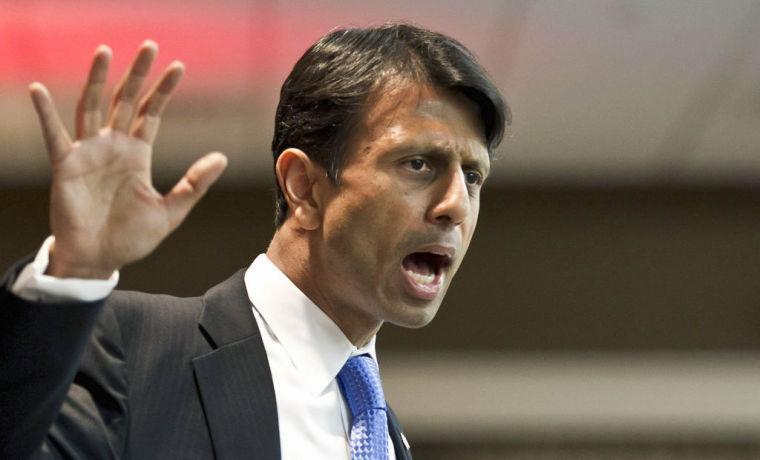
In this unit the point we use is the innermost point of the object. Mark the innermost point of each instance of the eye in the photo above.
(417, 164)
(473, 177)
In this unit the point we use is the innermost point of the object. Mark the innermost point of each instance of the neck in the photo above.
(292, 252)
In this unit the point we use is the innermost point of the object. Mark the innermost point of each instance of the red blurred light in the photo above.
(53, 41)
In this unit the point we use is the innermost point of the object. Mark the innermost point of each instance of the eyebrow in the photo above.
(469, 159)
(484, 167)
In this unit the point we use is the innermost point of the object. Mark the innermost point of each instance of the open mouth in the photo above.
(424, 273)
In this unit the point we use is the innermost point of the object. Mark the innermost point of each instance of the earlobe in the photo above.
(296, 174)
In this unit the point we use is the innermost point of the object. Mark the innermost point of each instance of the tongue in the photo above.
(416, 265)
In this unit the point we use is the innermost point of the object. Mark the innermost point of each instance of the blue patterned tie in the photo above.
(359, 381)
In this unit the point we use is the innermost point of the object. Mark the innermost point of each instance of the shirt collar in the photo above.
(315, 344)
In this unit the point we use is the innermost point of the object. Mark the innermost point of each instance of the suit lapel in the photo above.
(235, 382)
(234, 379)
(400, 444)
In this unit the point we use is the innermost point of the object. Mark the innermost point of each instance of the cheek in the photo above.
(348, 225)
(472, 221)
(368, 228)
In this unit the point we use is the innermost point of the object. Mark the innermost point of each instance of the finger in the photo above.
(154, 102)
(198, 178)
(88, 107)
(125, 96)
(56, 138)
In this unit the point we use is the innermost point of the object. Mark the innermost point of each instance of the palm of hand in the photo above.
(104, 211)
(103, 201)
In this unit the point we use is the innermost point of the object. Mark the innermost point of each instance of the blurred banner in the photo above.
(609, 306)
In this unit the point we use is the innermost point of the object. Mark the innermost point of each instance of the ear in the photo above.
(297, 176)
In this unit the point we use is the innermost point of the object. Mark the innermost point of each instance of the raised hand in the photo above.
(104, 210)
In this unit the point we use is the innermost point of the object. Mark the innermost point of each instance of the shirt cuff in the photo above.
(34, 285)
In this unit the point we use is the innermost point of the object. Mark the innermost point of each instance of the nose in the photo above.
(452, 204)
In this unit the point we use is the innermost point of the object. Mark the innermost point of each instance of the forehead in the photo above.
(422, 114)
(398, 100)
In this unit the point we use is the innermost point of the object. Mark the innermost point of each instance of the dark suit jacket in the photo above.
(139, 376)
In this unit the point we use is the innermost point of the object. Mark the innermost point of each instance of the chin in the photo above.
(415, 324)
(415, 316)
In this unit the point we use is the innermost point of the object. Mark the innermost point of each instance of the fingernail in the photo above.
(150, 44)
(36, 86)
(103, 49)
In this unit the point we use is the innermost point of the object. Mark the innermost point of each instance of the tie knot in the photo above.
(360, 381)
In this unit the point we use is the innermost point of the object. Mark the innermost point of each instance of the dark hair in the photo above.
(329, 89)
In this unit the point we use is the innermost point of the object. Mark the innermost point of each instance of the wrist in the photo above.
(61, 266)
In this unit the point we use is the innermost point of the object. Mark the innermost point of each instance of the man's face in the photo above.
(397, 226)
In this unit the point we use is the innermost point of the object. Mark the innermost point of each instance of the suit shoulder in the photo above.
(144, 316)
(135, 304)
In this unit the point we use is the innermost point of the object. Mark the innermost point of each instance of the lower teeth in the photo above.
(422, 279)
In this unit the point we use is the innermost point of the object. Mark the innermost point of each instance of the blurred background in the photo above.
(609, 306)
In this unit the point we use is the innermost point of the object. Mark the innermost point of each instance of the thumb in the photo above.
(193, 185)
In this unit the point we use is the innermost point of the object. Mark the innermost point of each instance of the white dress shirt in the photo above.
(34, 285)
(305, 349)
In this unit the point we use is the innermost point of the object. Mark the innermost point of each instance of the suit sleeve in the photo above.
(62, 385)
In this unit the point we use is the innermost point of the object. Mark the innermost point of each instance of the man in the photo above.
(383, 138)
